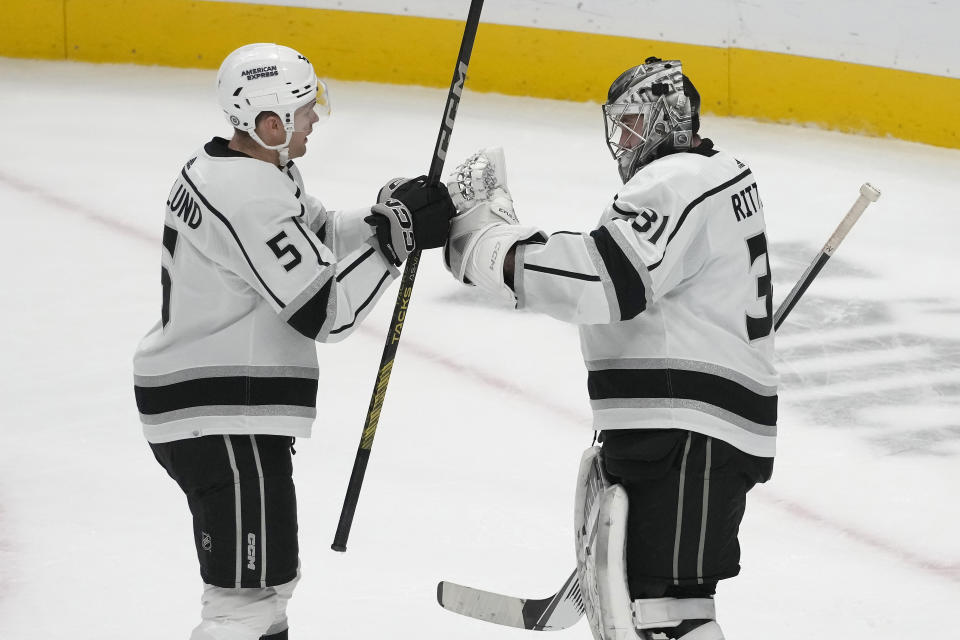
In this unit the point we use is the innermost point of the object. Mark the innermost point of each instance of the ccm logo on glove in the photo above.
(405, 221)
(416, 216)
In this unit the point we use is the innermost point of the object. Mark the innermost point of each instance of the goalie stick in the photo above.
(868, 194)
(406, 290)
(561, 610)
(564, 608)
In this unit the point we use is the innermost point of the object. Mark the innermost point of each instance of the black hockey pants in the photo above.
(687, 494)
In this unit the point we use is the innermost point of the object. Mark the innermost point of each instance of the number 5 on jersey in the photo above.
(280, 252)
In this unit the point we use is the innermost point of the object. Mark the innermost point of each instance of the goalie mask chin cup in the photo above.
(652, 110)
(267, 77)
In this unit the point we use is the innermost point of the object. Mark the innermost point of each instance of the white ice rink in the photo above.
(472, 473)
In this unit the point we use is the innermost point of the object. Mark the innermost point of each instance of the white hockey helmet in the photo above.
(267, 77)
(669, 104)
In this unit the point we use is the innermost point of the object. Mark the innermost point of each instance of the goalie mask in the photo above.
(652, 110)
(265, 77)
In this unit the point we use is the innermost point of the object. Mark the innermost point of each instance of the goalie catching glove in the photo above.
(412, 217)
(486, 226)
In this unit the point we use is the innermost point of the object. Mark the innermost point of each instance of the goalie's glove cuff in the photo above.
(466, 227)
(484, 253)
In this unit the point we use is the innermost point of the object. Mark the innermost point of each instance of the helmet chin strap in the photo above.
(282, 149)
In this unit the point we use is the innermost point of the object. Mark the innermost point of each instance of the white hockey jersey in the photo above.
(253, 272)
(672, 295)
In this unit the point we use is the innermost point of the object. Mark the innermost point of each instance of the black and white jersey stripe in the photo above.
(602, 261)
(308, 312)
(563, 276)
(312, 240)
(639, 383)
(628, 275)
(362, 306)
(227, 391)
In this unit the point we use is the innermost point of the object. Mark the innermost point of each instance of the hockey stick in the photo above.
(406, 289)
(868, 194)
(560, 611)
(564, 608)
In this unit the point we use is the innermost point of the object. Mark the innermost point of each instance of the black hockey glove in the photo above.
(415, 217)
(386, 191)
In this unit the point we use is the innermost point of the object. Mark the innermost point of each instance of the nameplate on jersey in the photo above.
(185, 206)
(746, 202)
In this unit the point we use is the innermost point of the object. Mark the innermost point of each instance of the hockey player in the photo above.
(254, 270)
(671, 291)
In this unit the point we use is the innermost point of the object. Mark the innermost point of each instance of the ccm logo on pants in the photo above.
(251, 552)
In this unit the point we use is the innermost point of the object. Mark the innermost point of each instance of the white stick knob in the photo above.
(870, 192)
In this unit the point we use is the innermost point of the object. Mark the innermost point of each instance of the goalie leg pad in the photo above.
(687, 618)
(689, 630)
(600, 522)
(651, 613)
(709, 631)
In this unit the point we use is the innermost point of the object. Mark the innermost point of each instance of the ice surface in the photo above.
(471, 477)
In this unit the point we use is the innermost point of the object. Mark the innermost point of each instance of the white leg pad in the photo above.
(708, 631)
(243, 614)
(600, 521)
(651, 613)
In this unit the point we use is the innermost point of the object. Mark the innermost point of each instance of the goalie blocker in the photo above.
(643, 580)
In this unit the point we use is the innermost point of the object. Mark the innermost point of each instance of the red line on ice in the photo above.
(950, 571)
(71, 206)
